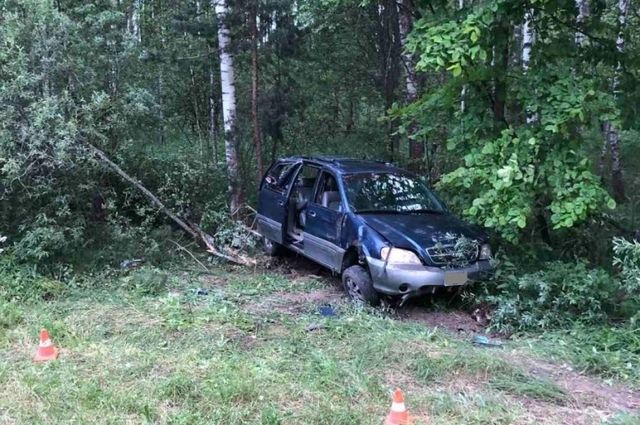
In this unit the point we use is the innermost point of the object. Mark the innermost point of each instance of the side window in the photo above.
(305, 182)
(328, 194)
(280, 176)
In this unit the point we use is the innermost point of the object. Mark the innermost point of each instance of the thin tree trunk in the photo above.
(133, 20)
(500, 64)
(463, 92)
(583, 13)
(227, 82)
(213, 116)
(405, 22)
(257, 137)
(611, 131)
(389, 62)
(528, 39)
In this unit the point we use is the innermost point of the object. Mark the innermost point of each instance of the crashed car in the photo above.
(378, 226)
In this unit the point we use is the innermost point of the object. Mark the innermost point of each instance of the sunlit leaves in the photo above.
(451, 45)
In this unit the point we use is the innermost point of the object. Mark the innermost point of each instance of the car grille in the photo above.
(449, 255)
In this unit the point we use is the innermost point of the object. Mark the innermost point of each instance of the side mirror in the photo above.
(271, 180)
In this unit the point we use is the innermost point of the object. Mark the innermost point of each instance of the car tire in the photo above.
(358, 285)
(271, 248)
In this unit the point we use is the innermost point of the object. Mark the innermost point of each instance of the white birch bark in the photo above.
(404, 21)
(227, 82)
(528, 39)
(583, 13)
(133, 21)
(463, 92)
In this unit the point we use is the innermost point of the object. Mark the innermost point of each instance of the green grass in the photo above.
(145, 348)
(609, 351)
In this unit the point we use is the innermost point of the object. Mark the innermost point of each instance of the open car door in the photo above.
(273, 202)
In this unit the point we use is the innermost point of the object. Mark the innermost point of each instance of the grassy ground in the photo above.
(149, 348)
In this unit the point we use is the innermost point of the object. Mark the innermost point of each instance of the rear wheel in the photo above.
(271, 248)
(359, 286)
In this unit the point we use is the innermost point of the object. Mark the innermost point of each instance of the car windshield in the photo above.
(390, 193)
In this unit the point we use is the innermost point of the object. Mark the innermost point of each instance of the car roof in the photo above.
(347, 165)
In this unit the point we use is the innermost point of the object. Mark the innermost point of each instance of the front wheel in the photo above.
(358, 284)
(271, 248)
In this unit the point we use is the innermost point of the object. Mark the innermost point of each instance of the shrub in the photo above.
(557, 295)
(20, 282)
(627, 258)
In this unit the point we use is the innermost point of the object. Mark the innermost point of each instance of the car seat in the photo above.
(331, 200)
(304, 192)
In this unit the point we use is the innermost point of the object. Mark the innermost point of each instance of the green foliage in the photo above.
(627, 258)
(505, 179)
(524, 164)
(146, 281)
(556, 296)
(24, 283)
(451, 44)
(10, 314)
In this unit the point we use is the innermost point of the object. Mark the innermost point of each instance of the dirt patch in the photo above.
(453, 321)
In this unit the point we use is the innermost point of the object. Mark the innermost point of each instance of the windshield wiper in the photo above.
(425, 211)
(422, 211)
(373, 211)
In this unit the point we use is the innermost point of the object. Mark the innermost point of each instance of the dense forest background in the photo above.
(522, 114)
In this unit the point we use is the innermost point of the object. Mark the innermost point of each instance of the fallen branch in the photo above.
(191, 228)
(182, 248)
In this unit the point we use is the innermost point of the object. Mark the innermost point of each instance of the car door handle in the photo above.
(312, 213)
(281, 204)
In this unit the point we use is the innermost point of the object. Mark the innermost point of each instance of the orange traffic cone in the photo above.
(398, 414)
(46, 350)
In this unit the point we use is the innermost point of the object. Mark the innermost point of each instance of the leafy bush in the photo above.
(627, 258)
(555, 296)
(560, 293)
(20, 282)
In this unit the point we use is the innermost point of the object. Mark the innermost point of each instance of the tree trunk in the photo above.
(528, 38)
(133, 20)
(389, 57)
(405, 22)
(611, 131)
(227, 82)
(583, 13)
(463, 92)
(500, 64)
(257, 137)
(213, 112)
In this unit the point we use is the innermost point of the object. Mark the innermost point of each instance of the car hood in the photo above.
(422, 230)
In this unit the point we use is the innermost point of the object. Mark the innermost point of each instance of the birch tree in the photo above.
(528, 38)
(612, 132)
(227, 82)
(583, 13)
(405, 24)
(257, 137)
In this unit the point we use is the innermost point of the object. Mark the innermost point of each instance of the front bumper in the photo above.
(416, 279)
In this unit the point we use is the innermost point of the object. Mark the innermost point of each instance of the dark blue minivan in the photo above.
(378, 226)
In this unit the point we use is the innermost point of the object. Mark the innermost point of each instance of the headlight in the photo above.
(398, 256)
(485, 252)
